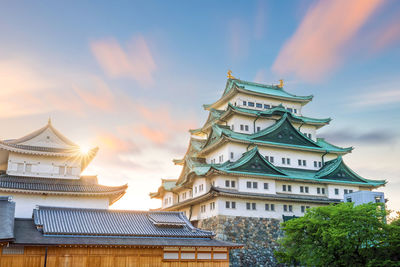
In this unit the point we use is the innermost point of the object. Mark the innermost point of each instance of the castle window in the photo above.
(203, 208)
(323, 190)
(258, 128)
(271, 159)
(250, 104)
(69, 170)
(290, 208)
(258, 105)
(318, 190)
(272, 207)
(306, 189)
(244, 103)
(227, 183)
(350, 191)
(265, 185)
(288, 161)
(285, 208)
(201, 187)
(241, 127)
(304, 162)
(28, 168)
(253, 206)
(232, 127)
(295, 110)
(346, 191)
(315, 164)
(255, 185)
(246, 128)
(233, 183)
(248, 205)
(283, 160)
(267, 207)
(267, 106)
(301, 189)
(61, 170)
(289, 188)
(195, 189)
(230, 204)
(212, 206)
(231, 155)
(290, 109)
(248, 184)
(284, 188)
(299, 162)
(20, 167)
(336, 191)
(319, 164)
(303, 209)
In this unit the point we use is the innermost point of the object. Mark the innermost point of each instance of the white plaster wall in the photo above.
(260, 211)
(237, 120)
(277, 153)
(331, 190)
(260, 188)
(171, 199)
(25, 203)
(43, 166)
(197, 183)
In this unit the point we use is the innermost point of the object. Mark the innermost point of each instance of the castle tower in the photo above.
(256, 162)
(44, 168)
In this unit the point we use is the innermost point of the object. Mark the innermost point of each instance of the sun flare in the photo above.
(84, 150)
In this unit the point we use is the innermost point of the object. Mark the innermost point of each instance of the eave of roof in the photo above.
(234, 86)
(51, 186)
(27, 234)
(226, 135)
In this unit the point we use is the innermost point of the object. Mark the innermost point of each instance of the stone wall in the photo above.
(258, 235)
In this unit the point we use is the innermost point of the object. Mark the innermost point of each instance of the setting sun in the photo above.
(84, 150)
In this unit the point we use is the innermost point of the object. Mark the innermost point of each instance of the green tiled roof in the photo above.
(268, 90)
(253, 163)
(278, 110)
(282, 133)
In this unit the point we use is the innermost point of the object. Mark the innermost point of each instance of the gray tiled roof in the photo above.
(99, 222)
(27, 234)
(42, 148)
(7, 211)
(55, 185)
(277, 196)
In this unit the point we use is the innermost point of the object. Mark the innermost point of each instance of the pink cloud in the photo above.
(387, 36)
(317, 45)
(135, 62)
(97, 95)
(115, 144)
(155, 136)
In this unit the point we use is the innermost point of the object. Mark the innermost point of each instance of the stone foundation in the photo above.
(258, 235)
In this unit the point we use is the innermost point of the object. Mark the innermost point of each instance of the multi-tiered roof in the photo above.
(48, 143)
(282, 134)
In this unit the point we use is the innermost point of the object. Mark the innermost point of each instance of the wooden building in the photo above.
(80, 237)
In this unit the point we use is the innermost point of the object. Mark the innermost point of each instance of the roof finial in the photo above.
(230, 75)
(49, 121)
(280, 83)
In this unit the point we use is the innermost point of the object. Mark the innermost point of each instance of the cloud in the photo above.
(115, 144)
(260, 76)
(96, 94)
(387, 36)
(156, 136)
(135, 62)
(377, 98)
(374, 137)
(317, 45)
(260, 20)
(238, 41)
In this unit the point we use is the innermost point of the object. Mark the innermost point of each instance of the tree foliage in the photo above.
(341, 235)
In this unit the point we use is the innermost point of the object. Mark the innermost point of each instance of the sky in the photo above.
(131, 76)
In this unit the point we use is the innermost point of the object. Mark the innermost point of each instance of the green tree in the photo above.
(340, 235)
